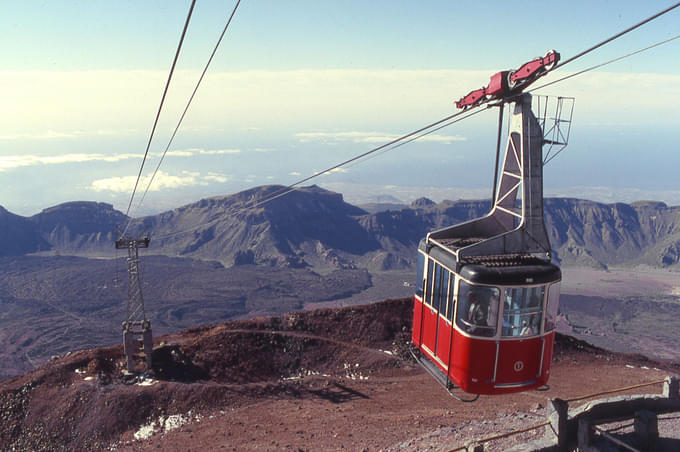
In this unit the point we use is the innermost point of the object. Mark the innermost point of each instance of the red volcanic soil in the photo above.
(328, 379)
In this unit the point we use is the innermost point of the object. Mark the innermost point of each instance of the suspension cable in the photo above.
(396, 143)
(402, 143)
(200, 79)
(384, 148)
(618, 35)
(291, 187)
(597, 66)
(414, 135)
(160, 108)
(449, 120)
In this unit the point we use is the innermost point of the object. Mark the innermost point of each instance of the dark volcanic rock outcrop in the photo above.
(18, 235)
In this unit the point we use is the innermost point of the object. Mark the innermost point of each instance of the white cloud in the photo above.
(16, 161)
(175, 154)
(126, 184)
(218, 151)
(369, 137)
(215, 177)
(333, 171)
(190, 152)
(9, 162)
(74, 105)
(294, 173)
(162, 181)
(54, 134)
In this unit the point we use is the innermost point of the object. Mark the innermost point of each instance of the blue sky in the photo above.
(298, 86)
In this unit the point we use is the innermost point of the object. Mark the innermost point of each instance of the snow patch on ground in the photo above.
(146, 381)
(302, 374)
(352, 373)
(164, 424)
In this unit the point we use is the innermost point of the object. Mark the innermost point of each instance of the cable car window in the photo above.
(552, 306)
(430, 282)
(452, 300)
(436, 294)
(477, 309)
(522, 311)
(444, 291)
(440, 288)
(420, 274)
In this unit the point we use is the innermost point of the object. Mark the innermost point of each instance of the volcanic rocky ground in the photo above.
(326, 379)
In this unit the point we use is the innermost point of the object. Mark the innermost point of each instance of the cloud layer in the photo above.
(162, 181)
(16, 161)
(73, 104)
(369, 137)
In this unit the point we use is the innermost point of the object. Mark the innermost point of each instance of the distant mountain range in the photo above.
(315, 227)
(216, 259)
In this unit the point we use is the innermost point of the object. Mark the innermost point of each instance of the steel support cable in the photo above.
(358, 159)
(400, 144)
(293, 186)
(385, 147)
(290, 188)
(502, 435)
(413, 136)
(618, 35)
(498, 152)
(597, 66)
(397, 143)
(160, 108)
(612, 391)
(200, 79)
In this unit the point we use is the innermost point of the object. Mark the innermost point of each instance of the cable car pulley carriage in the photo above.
(487, 296)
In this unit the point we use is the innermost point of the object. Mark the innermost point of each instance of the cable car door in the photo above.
(444, 328)
(521, 349)
(431, 311)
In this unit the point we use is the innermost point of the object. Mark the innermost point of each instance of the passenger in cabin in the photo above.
(507, 315)
(494, 301)
(531, 326)
(529, 329)
(478, 311)
(483, 313)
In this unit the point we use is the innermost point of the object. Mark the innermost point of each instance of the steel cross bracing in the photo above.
(137, 337)
(554, 115)
(509, 228)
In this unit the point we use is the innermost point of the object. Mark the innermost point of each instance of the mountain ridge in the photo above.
(316, 227)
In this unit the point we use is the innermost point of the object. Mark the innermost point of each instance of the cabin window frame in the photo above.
(420, 274)
(450, 299)
(427, 299)
(552, 308)
(542, 326)
(526, 316)
(483, 309)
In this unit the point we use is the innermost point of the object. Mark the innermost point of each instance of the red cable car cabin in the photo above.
(487, 297)
(490, 327)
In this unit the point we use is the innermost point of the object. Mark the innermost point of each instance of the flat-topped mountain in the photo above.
(315, 227)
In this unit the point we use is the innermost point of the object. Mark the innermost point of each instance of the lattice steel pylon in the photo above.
(137, 338)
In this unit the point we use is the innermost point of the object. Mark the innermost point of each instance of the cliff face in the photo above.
(585, 232)
(312, 226)
(19, 236)
(310, 223)
(78, 226)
